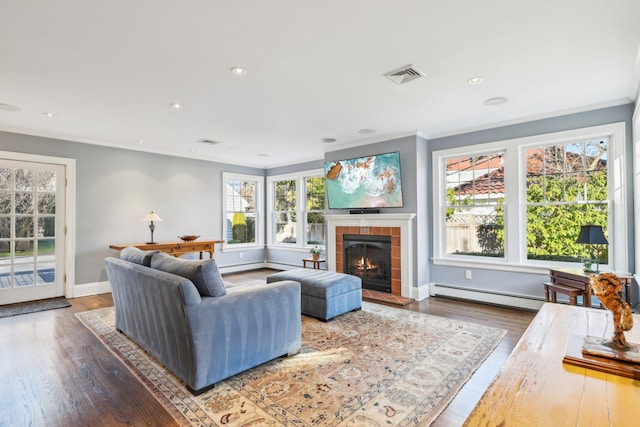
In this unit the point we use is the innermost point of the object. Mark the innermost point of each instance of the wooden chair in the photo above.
(550, 290)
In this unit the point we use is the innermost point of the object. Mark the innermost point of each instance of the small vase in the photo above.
(315, 256)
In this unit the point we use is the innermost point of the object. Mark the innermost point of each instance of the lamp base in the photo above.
(150, 243)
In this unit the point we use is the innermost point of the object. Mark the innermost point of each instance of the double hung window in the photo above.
(296, 204)
(242, 219)
(520, 203)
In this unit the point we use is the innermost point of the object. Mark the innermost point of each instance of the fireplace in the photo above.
(368, 257)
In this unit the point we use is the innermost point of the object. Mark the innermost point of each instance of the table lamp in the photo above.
(151, 216)
(594, 236)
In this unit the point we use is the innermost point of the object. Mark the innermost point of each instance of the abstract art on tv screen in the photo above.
(364, 182)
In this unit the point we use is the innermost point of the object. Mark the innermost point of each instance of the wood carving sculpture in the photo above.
(607, 287)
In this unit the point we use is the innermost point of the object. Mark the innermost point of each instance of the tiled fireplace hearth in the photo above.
(397, 226)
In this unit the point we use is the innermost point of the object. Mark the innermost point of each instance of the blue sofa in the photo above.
(201, 339)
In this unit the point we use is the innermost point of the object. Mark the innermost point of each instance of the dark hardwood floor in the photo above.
(55, 372)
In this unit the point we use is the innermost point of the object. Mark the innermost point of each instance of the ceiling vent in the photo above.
(207, 141)
(405, 74)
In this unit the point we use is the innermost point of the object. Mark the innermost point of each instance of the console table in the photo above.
(175, 248)
(534, 387)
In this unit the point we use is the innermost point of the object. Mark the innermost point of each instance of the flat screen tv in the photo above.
(364, 182)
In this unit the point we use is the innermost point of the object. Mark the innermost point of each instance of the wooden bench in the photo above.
(550, 290)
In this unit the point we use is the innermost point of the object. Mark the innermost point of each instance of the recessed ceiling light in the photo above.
(263, 155)
(475, 80)
(366, 131)
(328, 140)
(238, 71)
(9, 107)
(192, 150)
(140, 141)
(495, 101)
(176, 106)
(50, 115)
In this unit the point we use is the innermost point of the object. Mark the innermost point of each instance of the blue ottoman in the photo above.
(324, 294)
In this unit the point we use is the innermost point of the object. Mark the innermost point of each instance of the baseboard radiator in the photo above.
(482, 295)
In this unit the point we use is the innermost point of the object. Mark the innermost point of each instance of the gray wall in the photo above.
(520, 283)
(116, 188)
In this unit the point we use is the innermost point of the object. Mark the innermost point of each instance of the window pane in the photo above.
(24, 203)
(552, 231)
(47, 226)
(5, 228)
(285, 192)
(47, 204)
(46, 181)
(315, 228)
(574, 193)
(315, 193)
(241, 227)
(24, 227)
(5, 202)
(24, 179)
(474, 210)
(286, 226)
(5, 179)
(240, 204)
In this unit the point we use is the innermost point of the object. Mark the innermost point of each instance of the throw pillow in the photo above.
(203, 273)
(138, 256)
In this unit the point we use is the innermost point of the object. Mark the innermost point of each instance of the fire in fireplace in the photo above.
(368, 257)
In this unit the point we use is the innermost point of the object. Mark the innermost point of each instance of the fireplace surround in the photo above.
(398, 226)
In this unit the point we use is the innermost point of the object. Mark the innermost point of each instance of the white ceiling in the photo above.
(109, 70)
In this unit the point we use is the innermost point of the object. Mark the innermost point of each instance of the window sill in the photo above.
(532, 268)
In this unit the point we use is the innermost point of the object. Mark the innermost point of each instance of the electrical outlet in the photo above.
(240, 254)
(467, 274)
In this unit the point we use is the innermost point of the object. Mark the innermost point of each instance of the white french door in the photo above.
(32, 231)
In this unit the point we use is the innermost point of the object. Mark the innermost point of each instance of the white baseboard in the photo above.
(421, 292)
(479, 295)
(88, 289)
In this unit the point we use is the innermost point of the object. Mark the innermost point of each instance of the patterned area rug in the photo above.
(381, 366)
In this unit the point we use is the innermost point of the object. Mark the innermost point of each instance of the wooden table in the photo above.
(175, 248)
(534, 387)
(580, 279)
(315, 262)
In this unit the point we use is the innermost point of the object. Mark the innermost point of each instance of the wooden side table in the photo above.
(579, 279)
(315, 262)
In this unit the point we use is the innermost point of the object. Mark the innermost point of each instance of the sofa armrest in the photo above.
(244, 328)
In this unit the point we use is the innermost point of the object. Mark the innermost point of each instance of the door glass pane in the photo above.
(46, 249)
(25, 180)
(47, 204)
(5, 179)
(24, 248)
(46, 272)
(24, 203)
(5, 202)
(5, 228)
(24, 227)
(46, 181)
(23, 275)
(47, 226)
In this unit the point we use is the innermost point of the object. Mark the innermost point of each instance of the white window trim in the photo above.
(301, 209)
(515, 255)
(259, 243)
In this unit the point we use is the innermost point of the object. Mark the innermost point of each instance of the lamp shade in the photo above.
(151, 216)
(592, 234)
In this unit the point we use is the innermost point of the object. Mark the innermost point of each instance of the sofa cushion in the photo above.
(203, 273)
(137, 256)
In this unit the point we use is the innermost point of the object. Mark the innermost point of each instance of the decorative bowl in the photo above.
(188, 238)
